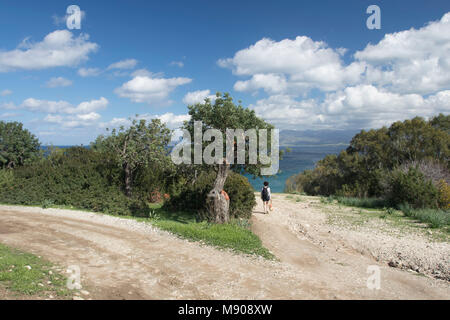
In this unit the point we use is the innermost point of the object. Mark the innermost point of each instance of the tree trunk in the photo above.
(128, 177)
(217, 204)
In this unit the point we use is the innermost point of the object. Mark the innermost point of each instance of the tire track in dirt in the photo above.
(125, 259)
(322, 254)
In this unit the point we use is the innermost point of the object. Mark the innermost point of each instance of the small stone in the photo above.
(84, 292)
(49, 282)
(50, 272)
(393, 263)
(51, 297)
(77, 298)
(28, 267)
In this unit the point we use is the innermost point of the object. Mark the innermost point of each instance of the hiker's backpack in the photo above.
(265, 193)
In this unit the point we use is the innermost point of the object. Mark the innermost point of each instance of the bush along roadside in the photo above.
(77, 177)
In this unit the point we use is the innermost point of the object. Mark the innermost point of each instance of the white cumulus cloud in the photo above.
(89, 72)
(299, 64)
(58, 49)
(5, 93)
(123, 64)
(149, 88)
(362, 106)
(415, 60)
(58, 82)
(405, 74)
(61, 106)
(179, 64)
(198, 96)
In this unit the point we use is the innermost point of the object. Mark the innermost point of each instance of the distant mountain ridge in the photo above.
(296, 138)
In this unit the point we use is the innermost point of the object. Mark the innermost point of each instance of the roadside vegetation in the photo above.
(235, 235)
(364, 209)
(26, 274)
(404, 167)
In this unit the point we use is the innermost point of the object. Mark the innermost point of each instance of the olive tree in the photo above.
(221, 115)
(141, 144)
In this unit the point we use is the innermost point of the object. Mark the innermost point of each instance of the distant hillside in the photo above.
(296, 138)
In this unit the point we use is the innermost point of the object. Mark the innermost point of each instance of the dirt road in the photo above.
(125, 259)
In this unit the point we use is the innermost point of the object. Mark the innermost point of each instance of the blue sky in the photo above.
(298, 64)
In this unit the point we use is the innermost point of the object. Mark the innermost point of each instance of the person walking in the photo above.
(265, 196)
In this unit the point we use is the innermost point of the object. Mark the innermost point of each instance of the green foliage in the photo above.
(444, 194)
(369, 203)
(242, 197)
(389, 210)
(326, 200)
(17, 145)
(156, 179)
(412, 188)
(225, 114)
(23, 272)
(139, 146)
(441, 122)
(371, 164)
(417, 139)
(435, 218)
(193, 196)
(47, 203)
(78, 177)
(6, 177)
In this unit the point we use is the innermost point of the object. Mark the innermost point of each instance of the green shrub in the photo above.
(364, 168)
(370, 203)
(77, 177)
(434, 217)
(6, 177)
(444, 195)
(412, 188)
(193, 197)
(47, 203)
(242, 196)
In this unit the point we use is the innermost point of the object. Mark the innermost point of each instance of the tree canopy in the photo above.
(17, 145)
(224, 114)
(141, 144)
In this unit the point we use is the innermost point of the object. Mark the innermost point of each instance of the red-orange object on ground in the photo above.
(225, 195)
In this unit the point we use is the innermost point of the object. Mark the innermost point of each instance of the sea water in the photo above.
(294, 162)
